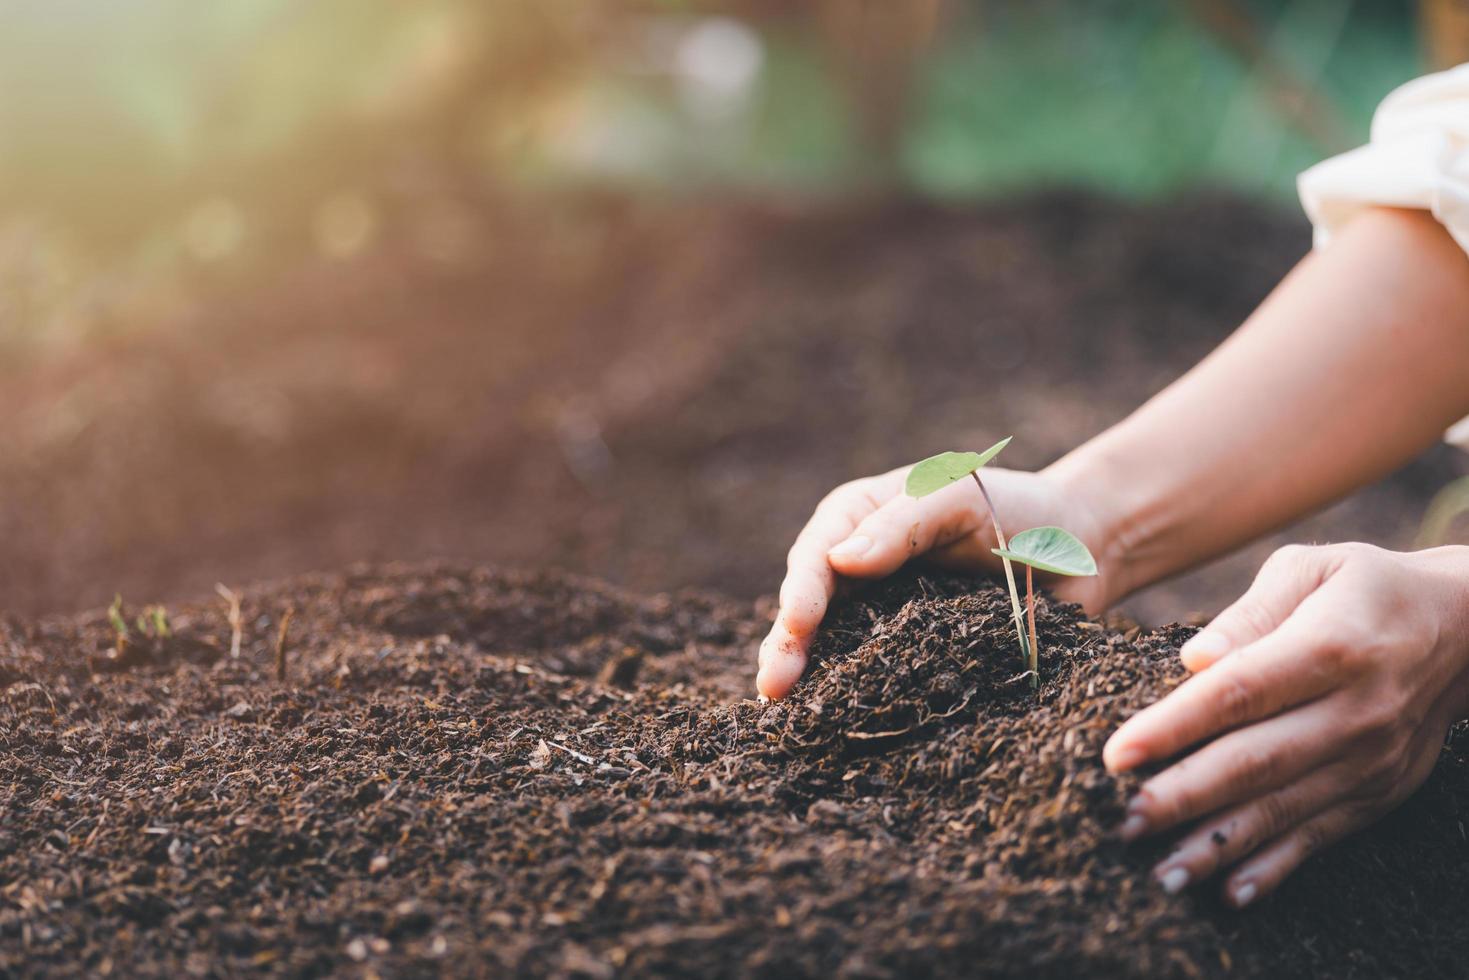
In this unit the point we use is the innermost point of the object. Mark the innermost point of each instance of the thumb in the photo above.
(905, 527)
(1286, 578)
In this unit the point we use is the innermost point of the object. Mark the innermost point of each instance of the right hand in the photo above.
(869, 528)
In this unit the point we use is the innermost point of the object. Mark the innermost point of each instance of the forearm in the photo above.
(1356, 363)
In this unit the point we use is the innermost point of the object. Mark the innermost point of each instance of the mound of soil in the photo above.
(475, 772)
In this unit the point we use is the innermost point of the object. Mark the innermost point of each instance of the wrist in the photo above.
(1451, 565)
(1108, 516)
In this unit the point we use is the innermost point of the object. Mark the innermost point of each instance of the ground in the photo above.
(469, 770)
(472, 772)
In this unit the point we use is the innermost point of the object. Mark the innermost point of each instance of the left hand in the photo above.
(1319, 702)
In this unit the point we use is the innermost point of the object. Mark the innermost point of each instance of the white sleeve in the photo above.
(1418, 158)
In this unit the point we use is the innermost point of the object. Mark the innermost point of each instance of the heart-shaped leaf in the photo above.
(939, 471)
(1050, 549)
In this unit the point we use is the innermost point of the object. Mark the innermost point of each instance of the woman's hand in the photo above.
(868, 528)
(1319, 702)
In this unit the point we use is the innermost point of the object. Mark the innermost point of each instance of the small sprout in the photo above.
(939, 471)
(119, 624)
(153, 621)
(1050, 549)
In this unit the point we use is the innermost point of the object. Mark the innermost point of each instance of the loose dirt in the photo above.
(469, 772)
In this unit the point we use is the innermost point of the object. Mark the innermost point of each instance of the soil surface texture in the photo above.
(470, 772)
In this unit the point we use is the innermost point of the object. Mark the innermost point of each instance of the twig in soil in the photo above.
(578, 756)
(280, 644)
(236, 621)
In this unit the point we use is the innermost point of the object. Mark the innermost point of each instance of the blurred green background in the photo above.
(138, 137)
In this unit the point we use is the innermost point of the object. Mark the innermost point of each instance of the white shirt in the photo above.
(1418, 158)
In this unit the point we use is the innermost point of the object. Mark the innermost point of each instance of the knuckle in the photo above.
(1252, 619)
(1339, 654)
(842, 496)
(1312, 837)
(1238, 698)
(1379, 778)
(1357, 551)
(1172, 804)
(1378, 725)
(1276, 814)
(1350, 645)
(1256, 767)
(1290, 556)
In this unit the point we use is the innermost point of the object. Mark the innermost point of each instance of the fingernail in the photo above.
(1174, 880)
(852, 547)
(1133, 827)
(1245, 894)
(1205, 644)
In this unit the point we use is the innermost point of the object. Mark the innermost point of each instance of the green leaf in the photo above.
(1050, 549)
(939, 471)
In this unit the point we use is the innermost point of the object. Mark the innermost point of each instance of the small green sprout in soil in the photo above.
(119, 625)
(152, 623)
(1050, 549)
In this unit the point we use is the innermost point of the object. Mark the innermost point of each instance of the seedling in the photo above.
(1051, 549)
(119, 625)
(151, 623)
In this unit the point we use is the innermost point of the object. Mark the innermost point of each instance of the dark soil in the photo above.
(657, 395)
(470, 772)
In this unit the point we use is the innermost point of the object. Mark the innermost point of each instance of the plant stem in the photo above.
(1035, 667)
(1025, 654)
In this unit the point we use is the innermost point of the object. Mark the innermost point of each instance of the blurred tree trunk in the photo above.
(877, 44)
(1443, 26)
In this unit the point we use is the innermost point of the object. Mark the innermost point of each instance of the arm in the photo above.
(1321, 698)
(1356, 363)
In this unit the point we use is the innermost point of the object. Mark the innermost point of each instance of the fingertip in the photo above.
(782, 659)
(775, 682)
(863, 564)
(767, 687)
(852, 548)
(1242, 893)
(1204, 649)
(1122, 756)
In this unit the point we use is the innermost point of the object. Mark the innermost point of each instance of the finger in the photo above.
(1229, 838)
(1253, 683)
(782, 659)
(804, 595)
(1287, 577)
(1263, 873)
(810, 583)
(1236, 768)
(904, 527)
